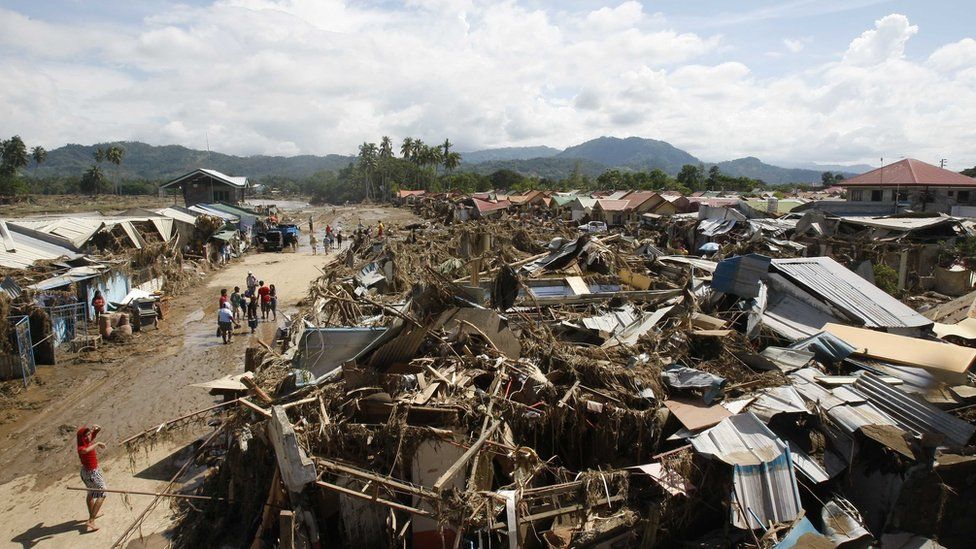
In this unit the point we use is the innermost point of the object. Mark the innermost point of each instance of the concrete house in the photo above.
(209, 186)
(915, 185)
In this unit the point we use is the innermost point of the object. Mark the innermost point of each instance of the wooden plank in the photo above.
(577, 284)
(255, 407)
(286, 528)
(367, 497)
(453, 470)
(258, 392)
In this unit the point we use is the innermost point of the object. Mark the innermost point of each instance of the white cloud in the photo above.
(885, 41)
(321, 76)
(794, 45)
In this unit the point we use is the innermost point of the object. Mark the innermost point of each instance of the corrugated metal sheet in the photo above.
(179, 214)
(741, 275)
(739, 440)
(200, 209)
(793, 319)
(22, 251)
(777, 400)
(849, 292)
(765, 492)
(77, 274)
(911, 414)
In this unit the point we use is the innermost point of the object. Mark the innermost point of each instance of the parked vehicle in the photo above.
(593, 227)
(272, 241)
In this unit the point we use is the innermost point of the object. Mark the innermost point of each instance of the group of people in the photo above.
(332, 238)
(237, 306)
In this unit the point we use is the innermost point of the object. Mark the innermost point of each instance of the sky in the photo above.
(793, 81)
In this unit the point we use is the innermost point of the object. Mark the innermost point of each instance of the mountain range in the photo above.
(161, 163)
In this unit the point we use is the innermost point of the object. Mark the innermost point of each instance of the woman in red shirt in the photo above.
(265, 294)
(91, 475)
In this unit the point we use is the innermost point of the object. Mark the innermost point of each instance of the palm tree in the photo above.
(451, 161)
(115, 154)
(92, 180)
(367, 163)
(385, 159)
(99, 154)
(39, 154)
(406, 150)
(447, 146)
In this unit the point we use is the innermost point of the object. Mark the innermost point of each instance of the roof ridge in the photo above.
(911, 170)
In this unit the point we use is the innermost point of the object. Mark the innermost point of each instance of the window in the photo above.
(902, 196)
(221, 196)
(877, 196)
(962, 196)
(857, 195)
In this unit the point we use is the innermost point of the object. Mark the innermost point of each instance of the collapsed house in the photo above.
(512, 383)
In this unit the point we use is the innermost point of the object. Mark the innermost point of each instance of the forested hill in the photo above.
(161, 163)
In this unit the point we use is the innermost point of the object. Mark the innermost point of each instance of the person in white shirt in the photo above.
(225, 322)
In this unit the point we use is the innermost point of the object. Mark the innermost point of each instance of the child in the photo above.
(312, 242)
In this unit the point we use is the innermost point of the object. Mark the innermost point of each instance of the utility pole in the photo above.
(943, 162)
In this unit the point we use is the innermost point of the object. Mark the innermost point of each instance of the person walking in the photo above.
(264, 293)
(98, 303)
(224, 298)
(339, 240)
(225, 323)
(273, 303)
(310, 226)
(313, 243)
(236, 303)
(91, 475)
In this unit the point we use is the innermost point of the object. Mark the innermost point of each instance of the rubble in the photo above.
(490, 383)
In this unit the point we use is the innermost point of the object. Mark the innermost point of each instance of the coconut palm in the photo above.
(451, 161)
(367, 163)
(407, 148)
(115, 154)
(39, 154)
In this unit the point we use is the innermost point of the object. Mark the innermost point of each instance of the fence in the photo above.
(21, 362)
(69, 324)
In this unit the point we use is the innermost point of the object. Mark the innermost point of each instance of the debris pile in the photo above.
(493, 383)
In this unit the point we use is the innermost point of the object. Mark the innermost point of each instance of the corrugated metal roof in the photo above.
(765, 493)
(849, 292)
(240, 182)
(777, 400)
(610, 205)
(21, 251)
(71, 276)
(909, 172)
(179, 215)
(900, 223)
(912, 414)
(201, 209)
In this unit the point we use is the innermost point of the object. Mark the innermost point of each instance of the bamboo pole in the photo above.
(140, 493)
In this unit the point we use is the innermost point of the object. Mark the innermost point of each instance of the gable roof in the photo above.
(609, 205)
(909, 172)
(486, 206)
(636, 198)
(403, 193)
(238, 182)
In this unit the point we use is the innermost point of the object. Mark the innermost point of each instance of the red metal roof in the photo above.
(909, 172)
(403, 193)
(636, 198)
(486, 206)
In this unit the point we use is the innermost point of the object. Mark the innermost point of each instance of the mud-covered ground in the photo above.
(132, 387)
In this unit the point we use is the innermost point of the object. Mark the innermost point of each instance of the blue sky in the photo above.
(795, 81)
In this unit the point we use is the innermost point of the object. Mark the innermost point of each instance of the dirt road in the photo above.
(126, 389)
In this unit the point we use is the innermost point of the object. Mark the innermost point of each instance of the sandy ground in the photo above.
(129, 388)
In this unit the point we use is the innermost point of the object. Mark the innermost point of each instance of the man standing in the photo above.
(236, 303)
(310, 230)
(264, 293)
(91, 475)
(225, 322)
(252, 282)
